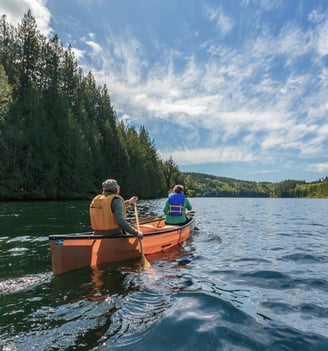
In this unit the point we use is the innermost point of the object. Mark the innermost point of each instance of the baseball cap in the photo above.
(110, 184)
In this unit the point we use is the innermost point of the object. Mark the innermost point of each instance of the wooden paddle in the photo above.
(144, 260)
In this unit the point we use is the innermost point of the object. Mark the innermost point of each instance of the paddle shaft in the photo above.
(137, 217)
(140, 240)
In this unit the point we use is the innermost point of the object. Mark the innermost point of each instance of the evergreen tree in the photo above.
(8, 49)
(5, 94)
(153, 180)
(28, 54)
(5, 103)
(171, 173)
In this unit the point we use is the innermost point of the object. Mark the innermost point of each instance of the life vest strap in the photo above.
(176, 210)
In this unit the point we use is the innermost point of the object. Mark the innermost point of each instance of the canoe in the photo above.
(78, 250)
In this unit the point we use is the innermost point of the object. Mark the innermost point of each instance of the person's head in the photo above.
(178, 188)
(110, 186)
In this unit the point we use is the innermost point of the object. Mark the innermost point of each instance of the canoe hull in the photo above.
(75, 251)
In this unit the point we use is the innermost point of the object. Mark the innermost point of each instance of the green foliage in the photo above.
(212, 186)
(199, 184)
(172, 174)
(190, 186)
(5, 94)
(317, 189)
(60, 137)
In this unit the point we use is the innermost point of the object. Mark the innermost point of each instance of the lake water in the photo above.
(254, 276)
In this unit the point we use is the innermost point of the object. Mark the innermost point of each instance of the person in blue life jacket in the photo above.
(108, 211)
(176, 206)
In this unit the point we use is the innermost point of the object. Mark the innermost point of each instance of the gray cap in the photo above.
(110, 184)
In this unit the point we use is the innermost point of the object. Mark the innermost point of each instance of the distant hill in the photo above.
(207, 185)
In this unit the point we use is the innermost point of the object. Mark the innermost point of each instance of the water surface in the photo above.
(253, 277)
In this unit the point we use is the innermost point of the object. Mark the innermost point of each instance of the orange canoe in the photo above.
(78, 250)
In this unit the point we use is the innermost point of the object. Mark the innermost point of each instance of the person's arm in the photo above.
(166, 207)
(117, 207)
(188, 204)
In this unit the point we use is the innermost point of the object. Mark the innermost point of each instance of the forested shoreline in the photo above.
(205, 185)
(60, 136)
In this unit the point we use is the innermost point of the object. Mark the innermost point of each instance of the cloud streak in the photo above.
(235, 94)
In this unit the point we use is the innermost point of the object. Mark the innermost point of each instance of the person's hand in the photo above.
(133, 200)
(140, 235)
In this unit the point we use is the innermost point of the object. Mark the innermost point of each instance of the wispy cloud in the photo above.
(95, 46)
(213, 155)
(320, 167)
(233, 94)
(223, 22)
(236, 93)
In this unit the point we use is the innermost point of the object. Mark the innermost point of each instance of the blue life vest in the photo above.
(176, 204)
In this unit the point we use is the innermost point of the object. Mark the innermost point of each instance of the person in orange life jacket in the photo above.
(175, 207)
(108, 211)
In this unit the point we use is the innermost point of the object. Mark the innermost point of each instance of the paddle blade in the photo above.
(145, 262)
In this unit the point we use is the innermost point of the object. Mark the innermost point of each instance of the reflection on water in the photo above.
(253, 277)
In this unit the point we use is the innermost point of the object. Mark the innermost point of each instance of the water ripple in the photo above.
(11, 286)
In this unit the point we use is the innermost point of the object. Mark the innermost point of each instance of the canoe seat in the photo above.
(152, 228)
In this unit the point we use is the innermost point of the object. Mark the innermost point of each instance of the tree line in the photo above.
(204, 185)
(59, 134)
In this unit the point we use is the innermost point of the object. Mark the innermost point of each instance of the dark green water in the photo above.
(253, 277)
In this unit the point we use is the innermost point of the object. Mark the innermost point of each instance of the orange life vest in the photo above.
(101, 214)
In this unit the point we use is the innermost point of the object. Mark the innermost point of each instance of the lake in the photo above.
(254, 276)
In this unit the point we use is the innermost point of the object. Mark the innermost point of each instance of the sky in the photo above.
(233, 88)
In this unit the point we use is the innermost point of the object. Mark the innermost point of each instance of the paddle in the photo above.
(144, 260)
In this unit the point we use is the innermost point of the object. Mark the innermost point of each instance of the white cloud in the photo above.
(319, 167)
(78, 54)
(323, 38)
(223, 22)
(233, 93)
(209, 155)
(320, 18)
(15, 10)
(95, 47)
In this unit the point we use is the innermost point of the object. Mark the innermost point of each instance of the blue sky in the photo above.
(235, 88)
